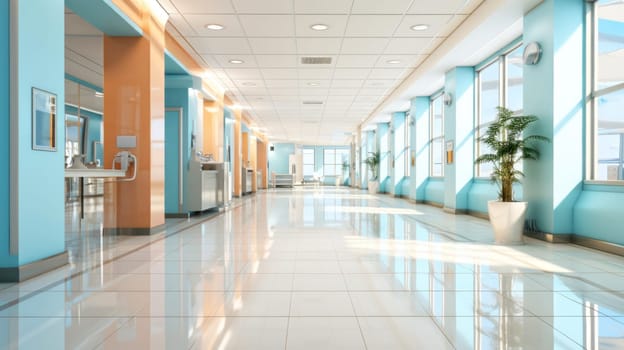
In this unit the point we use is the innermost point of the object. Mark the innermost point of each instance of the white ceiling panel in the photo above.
(249, 61)
(201, 6)
(379, 83)
(280, 99)
(372, 25)
(436, 24)
(356, 61)
(344, 83)
(351, 73)
(267, 25)
(443, 6)
(241, 84)
(281, 83)
(336, 23)
(318, 46)
(323, 6)
(380, 91)
(264, 6)
(283, 73)
(181, 25)
(284, 92)
(332, 98)
(370, 43)
(198, 24)
(386, 73)
(381, 7)
(220, 46)
(363, 46)
(408, 46)
(341, 92)
(409, 61)
(268, 46)
(276, 61)
(244, 74)
(316, 84)
(453, 23)
(317, 73)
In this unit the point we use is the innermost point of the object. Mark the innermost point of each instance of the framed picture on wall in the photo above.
(43, 120)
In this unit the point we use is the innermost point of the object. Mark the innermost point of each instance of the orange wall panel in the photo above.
(134, 105)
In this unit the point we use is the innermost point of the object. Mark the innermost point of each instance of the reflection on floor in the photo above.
(318, 268)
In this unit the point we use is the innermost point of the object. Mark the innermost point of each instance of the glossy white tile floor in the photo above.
(320, 268)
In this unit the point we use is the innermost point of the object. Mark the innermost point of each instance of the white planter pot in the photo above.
(373, 187)
(507, 220)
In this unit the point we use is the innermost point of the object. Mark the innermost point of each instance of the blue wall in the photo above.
(278, 158)
(41, 174)
(598, 213)
(4, 136)
(434, 190)
(179, 94)
(554, 92)
(383, 145)
(458, 128)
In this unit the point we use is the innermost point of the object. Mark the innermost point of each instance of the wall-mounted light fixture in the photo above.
(532, 53)
(448, 98)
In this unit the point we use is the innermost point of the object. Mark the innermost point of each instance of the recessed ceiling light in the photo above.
(319, 27)
(214, 26)
(99, 94)
(313, 84)
(393, 61)
(236, 61)
(419, 27)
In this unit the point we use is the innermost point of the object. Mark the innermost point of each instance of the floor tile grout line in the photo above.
(19, 299)
(355, 315)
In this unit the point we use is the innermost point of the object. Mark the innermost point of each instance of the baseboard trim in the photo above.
(435, 204)
(35, 268)
(133, 231)
(549, 237)
(454, 211)
(177, 215)
(478, 214)
(597, 244)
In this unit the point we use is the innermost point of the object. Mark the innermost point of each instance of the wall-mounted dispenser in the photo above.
(125, 158)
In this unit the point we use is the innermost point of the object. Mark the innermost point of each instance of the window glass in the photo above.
(308, 162)
(609, 100)
(489, 92)
(514, 83)
(437, 137)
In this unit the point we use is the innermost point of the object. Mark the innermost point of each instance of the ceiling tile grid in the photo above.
(259, 48)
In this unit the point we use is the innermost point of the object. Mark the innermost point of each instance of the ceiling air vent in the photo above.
(312, 102)
(316, 60)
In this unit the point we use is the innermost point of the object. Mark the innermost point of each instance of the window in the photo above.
(333, 160)
(437, 136)
(607, 85)
(407, 143)
(498, 84)
(308, 162)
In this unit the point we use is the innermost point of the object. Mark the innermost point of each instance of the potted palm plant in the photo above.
(508, 145)
(373, 165)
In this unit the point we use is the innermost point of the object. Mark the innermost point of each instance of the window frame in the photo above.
(592, 160)
(432, 139)
(313, 161)
(502, 60)
(408, 145)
